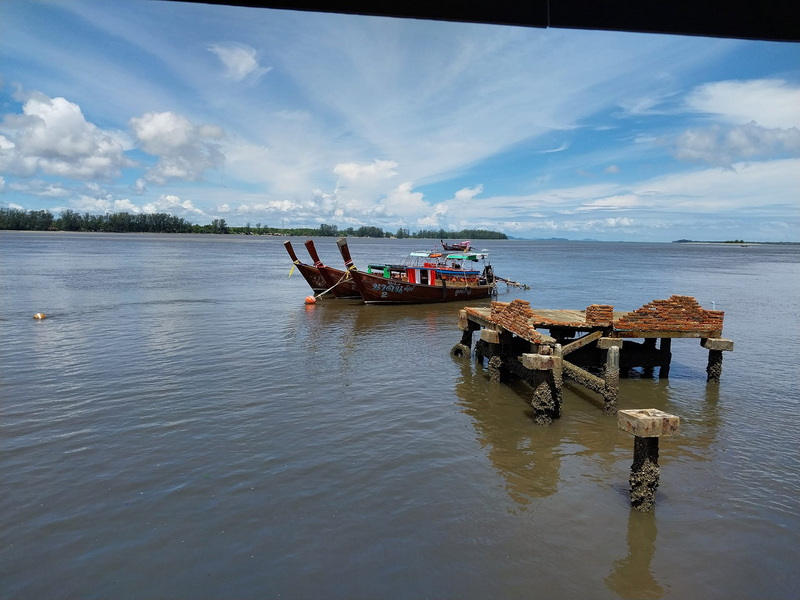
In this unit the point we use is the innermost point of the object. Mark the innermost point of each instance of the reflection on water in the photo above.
(632, 577)
(521, 454)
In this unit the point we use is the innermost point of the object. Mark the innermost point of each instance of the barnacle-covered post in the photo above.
(546, 379)
(647, 425)
(715, 347)
(610, 373)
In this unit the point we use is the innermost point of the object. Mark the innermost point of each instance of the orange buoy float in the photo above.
(39, 316)
(311, 300)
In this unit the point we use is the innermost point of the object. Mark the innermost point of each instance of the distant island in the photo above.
(739, 242)
(123, 222)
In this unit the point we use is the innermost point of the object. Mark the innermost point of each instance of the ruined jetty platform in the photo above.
(600, 343)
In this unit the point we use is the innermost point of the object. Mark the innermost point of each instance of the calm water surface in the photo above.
(183, 426)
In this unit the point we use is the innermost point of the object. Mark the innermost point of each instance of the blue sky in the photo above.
(290, 118)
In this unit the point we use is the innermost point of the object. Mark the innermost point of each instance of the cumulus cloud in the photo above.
(615, 222)
(185, 151)
(757, 119)
(52, 137)
(465, 194)
(173, 205)
(240, 62)
(404, 201)
(435, 218)
(771, 103)
(723, 145)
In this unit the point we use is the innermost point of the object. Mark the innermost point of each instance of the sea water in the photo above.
(183, 425)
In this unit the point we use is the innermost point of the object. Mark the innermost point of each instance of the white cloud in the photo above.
(404, 202)
(561, 148)
(723, 146)
(240, 62)
(771, 103)
(125, 205)
(52, 137)
(173, 205)
(185, 151)
(615, 222)
(377, 170)
(466, 194)
(436, 218)
(621, 202)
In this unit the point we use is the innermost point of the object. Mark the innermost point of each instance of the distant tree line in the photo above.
(123, 222)
(70, 220)
(436, 234)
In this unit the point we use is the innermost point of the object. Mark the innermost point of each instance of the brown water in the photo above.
(183, 426)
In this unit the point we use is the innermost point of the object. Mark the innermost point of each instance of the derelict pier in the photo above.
(592, 347)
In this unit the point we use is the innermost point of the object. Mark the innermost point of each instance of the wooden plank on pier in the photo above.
(580, 343)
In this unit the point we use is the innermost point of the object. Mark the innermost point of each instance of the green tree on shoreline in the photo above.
(123, 222)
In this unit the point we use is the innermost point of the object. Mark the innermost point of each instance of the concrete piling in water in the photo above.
(464, 347)
(647, 425)
(610, 374)
(489, 347)
(715, 347)
(545, 378)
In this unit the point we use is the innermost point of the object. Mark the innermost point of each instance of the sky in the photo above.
(295, 119)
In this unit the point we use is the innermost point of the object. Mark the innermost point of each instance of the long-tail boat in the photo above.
(457, 247)
(432, 277)
(309, 273)
(339, 282)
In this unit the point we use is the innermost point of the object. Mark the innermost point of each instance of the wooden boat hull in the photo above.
(311, 274)
(337, 281)
(376, 289)
(343, 289)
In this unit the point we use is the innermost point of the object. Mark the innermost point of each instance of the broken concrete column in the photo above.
(647, 425)
(495, 369)
(715, 347)
(489, 346)
(546, 378)
(611, 379)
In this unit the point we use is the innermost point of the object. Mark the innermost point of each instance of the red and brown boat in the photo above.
(427, 278)
(337, 281)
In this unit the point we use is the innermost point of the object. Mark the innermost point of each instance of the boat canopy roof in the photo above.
(475, 256)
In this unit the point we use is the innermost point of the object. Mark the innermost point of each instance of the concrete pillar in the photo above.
(611, 378)
(647, 425)
(495, 369)
(558, 379)
(715, 347)
(546, 378)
